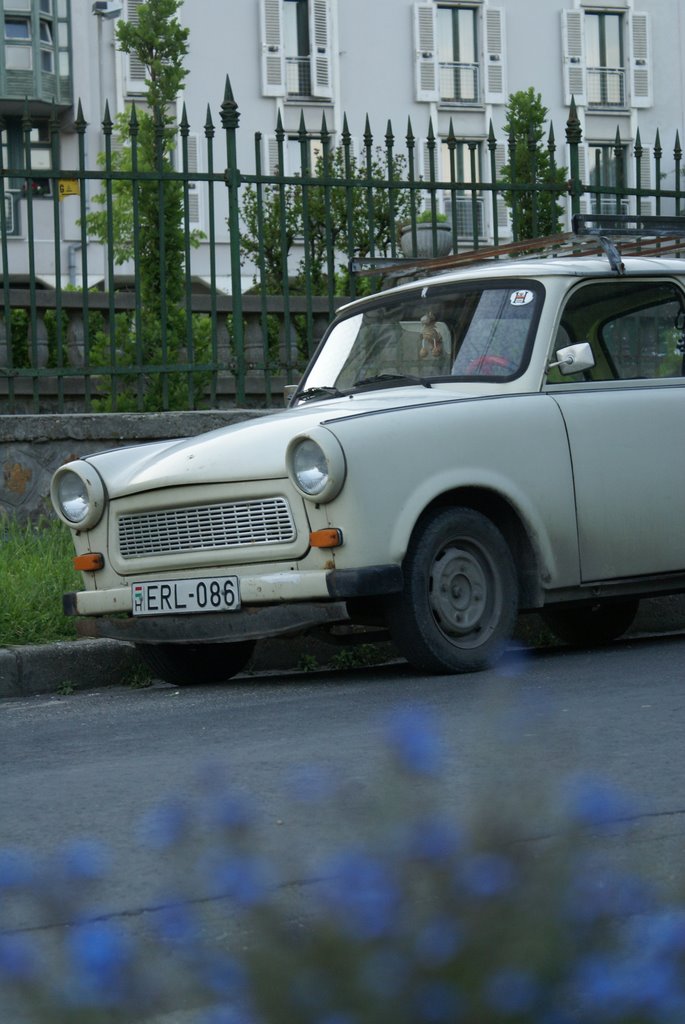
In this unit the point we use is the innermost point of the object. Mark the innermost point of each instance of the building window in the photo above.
(18, 52)
(47, 48)
(607, 174)
(297, 49)
(460, 162)
(606, 77)
(39, 157)
(458, 55)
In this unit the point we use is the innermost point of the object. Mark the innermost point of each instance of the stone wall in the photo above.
(32, 447)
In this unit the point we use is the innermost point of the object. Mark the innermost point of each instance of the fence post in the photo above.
(573, 137)
(229, 120)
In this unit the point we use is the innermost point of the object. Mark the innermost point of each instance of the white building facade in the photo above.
(376, 63)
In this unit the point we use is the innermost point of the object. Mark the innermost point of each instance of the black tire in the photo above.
(195, 664)
(460, 600)
(591, 624)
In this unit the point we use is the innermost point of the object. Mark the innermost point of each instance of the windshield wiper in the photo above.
(393, 378)
(319, 392)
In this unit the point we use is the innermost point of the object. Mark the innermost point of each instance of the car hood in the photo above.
(249, 450)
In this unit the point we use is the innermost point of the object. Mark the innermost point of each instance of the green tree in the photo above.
(350, 210)
(357, 218)
(535, 209)
(147, 216)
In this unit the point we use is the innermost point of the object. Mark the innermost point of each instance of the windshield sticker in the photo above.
(521, 298)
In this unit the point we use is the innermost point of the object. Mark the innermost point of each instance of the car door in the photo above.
(626, 428)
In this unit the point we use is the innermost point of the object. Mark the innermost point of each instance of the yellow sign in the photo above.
(69, 187)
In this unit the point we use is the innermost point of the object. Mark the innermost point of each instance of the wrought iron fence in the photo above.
(80, 331)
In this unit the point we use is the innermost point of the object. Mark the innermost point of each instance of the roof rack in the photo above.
(592, 235)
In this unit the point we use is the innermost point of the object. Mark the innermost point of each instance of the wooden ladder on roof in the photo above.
(592, 235)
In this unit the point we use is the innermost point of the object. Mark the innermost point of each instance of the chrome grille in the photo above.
(226, 525)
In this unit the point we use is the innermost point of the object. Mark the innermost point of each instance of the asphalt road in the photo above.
(93, 764)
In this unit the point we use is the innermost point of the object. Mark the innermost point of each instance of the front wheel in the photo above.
(459, 604)
(592, 624)
(195, 664)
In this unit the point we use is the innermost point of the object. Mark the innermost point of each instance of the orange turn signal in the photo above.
(331, 538)
(90, 562)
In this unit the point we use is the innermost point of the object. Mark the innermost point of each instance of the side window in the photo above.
(636, 330)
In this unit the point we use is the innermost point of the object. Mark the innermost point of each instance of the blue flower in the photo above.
(244, 878)
(102, 956)
(18, 959)
(362, 891)
(612, 987)
(82, 860)
(660, 933)
(434, 839)
(487, 875)
(226, 978)
(17, 869)
(176, 924)
(592, 802)
(413, 738)
(598, 889)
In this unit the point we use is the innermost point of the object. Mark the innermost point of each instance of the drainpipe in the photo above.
(71, 262)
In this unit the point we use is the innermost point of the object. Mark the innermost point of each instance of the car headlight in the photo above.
(78, 495)
(316, 464)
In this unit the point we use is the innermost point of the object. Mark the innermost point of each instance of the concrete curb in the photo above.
(91, 664)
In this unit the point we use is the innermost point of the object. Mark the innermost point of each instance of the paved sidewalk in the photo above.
(91, 664)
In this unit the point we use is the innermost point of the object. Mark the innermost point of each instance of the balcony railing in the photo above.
(298, 76)
(461, 212)
(606, 87)
(460, 83)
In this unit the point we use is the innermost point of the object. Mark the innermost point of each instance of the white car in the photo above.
(503, 437)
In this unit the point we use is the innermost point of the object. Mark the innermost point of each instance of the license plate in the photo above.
(183, 597)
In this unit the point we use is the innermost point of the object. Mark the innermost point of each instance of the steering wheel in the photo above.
(483, 363)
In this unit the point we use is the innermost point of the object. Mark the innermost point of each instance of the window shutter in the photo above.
(573, 49)
(321, 49)
(273, 57)
(425, 53)
(495, 71)
(134, 69)
(503, 219)
(647, 205)
(587, 201)
(640, 61)
(194, 198)
(270, 162)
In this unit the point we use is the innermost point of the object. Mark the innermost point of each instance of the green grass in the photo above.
(35, 570)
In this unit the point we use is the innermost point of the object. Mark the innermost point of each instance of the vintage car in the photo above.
(500, 437)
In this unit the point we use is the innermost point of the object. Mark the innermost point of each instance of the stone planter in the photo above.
(424, 240)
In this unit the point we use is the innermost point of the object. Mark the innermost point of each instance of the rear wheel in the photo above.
(195, 664)
(591, 625)
(460, 599)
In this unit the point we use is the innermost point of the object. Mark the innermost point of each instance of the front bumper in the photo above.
(254, 623)
(278, 604)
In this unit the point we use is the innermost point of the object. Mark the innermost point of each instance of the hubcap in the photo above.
(462, 593)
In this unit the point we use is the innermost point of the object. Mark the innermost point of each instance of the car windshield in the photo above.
(469, 332)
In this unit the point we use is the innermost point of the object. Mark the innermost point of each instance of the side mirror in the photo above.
(288, 392)
(574, 358)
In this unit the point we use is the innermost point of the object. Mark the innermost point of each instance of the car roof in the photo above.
(537, 268)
